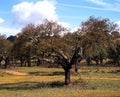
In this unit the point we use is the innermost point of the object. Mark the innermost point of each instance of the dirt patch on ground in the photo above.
(91, 78)
(14, 72)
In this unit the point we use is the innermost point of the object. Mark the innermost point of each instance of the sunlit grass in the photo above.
(60, 92)
(49, 82)
(38, 69)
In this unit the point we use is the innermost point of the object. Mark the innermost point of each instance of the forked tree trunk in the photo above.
(66, 64)
(76, 67)
(78, 59)
(67, 76)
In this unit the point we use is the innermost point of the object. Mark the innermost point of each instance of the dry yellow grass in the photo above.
(98, 84)
(58, 92)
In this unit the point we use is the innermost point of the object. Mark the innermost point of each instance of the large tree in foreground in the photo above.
(57, 48)
(67, 50)
(48, 44)
(67, 55)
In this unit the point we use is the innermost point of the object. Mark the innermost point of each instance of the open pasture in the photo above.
(49, 82)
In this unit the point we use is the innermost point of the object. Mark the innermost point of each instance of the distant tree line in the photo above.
(96, 41)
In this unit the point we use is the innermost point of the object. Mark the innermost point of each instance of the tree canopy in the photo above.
(96, 39)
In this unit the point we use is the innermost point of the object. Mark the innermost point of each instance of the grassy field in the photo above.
(49, 82)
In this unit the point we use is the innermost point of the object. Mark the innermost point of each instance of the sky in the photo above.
(16, 14)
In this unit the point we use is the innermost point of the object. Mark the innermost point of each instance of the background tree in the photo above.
(23, 47)
(99, 56)
(46, 43)
(11, 38)
(114, 52)
(96, 35)
(5, 50)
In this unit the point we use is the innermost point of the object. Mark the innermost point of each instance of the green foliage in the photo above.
(46, 40)
(5, 46)
(114, 52)
(96, 33)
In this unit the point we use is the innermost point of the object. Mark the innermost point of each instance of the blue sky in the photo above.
(15, 14)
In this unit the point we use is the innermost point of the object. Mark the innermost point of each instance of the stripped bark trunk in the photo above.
(67, 76)
(76, 68)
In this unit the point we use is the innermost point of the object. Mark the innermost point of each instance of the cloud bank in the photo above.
(118, 23)
(103, 6)
(115, 6)
(1, 20)
(28, 12)
(99, 2)
(8, 30)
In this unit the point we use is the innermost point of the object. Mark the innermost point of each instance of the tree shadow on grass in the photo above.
(56, 73)
(38, 73)
(115, 71)
(31, 85)
(46, 74)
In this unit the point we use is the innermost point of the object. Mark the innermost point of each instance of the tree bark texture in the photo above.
(67, 76)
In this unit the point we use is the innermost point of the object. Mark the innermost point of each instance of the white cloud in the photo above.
(64, 24)
(99, 2)
(118, 23)
(115, 6)
(1, 20)
(27, 12)
(8, 31)
(75, 29)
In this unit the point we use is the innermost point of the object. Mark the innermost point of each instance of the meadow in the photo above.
(49, 82)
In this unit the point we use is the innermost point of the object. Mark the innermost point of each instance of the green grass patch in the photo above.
(49, 82)
(104, 84)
